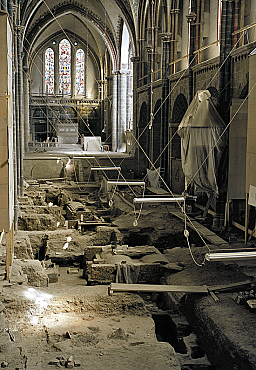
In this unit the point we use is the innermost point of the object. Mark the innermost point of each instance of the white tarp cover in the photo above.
(153, 177)
(202, 142)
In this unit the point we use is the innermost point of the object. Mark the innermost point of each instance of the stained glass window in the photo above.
(65, 67)
(49, 71)
(80, 72)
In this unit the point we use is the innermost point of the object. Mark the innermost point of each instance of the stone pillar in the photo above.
(26, 107)
(166, 39)
(150, 143)
(227, 20)
(17, 112)
(73, 71)
(191, 20)
(123, 110)
(56, 71)
(135, 61)
(19, 30)
(102, 88)
(114, 113)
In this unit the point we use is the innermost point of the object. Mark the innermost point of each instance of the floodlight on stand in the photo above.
(83, 156)
(220, 256)
(158, 200)
(105, 168)
(139, 183)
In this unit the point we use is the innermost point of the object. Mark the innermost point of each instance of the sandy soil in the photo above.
(101, 332)
(70, 318)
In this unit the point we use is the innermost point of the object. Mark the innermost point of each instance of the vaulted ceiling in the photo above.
(97, 24)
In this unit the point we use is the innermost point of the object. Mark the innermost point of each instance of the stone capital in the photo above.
(191, 17)
(166, 36)
(135, 59)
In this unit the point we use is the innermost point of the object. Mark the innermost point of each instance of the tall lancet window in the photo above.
(65, 67)
(80, 72)
(49, 71)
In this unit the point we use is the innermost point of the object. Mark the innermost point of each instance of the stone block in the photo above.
(53, 278)
(77, 363)
(54, 361)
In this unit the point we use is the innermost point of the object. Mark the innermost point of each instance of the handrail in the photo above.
(244, 28)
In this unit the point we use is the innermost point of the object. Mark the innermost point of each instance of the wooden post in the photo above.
(211, 195)
(226, 221)
(246, 218)
(9, 251)
(8, 254)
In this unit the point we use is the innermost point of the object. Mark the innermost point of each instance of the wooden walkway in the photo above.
(207, 234)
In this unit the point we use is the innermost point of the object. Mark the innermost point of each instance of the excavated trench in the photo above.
(171, 325)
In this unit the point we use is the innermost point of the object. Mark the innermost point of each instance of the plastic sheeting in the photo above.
(203, 142)
(153, 177)
(127, 273)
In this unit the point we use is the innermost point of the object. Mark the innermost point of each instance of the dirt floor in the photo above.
(69, 323)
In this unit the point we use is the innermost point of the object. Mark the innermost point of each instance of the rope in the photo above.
(135, 222)
(151, 119)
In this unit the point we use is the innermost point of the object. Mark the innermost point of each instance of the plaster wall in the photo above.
(37, 75)
(91, 80)
(46, 169)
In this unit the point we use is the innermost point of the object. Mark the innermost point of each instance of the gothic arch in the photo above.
(179, 109)
(157, 134)
(143, 136)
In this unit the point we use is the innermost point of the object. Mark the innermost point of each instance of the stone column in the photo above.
(150, 144)
(19, 30)
(26, 106)
(166, 39)
(191, 20)
(123, 110)
(114, 113)
(56, 71)
(101, 84)
(73, 71)
(135, 61)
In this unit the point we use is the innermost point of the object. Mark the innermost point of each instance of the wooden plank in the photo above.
(117, 287)
(203, 231)
(203, 208)
(230, 287)
(157, 190)
(1, 237)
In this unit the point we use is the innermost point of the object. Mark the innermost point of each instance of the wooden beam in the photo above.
(117, 287)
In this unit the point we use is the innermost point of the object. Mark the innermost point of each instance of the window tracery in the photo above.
(80, 72)
(65, 67)
(49, 71)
